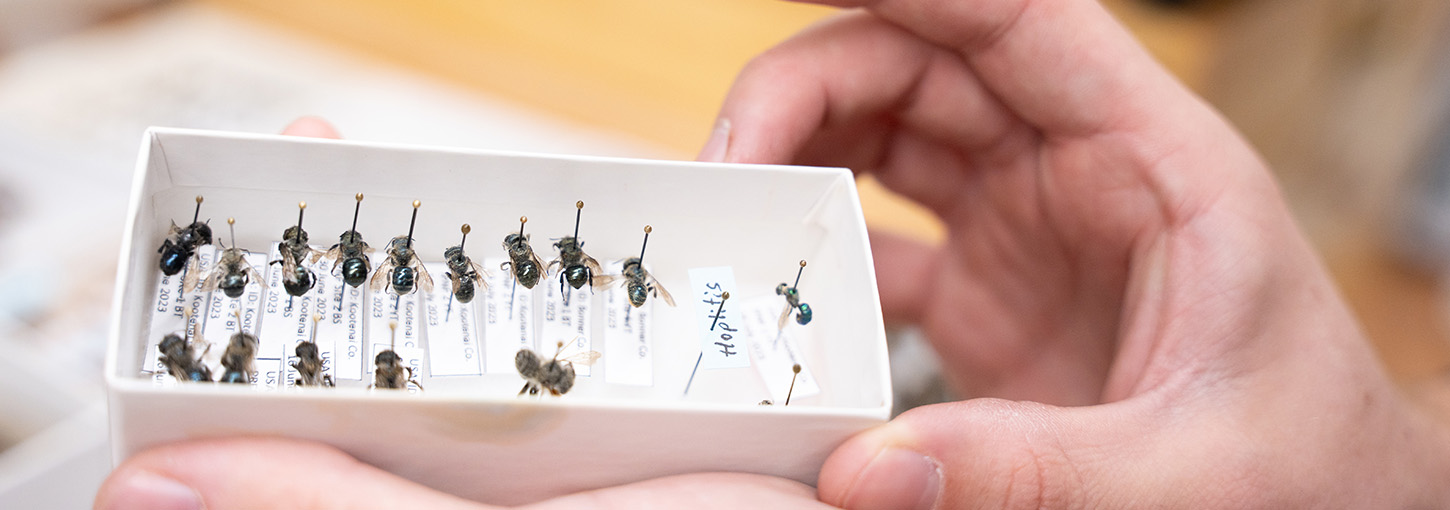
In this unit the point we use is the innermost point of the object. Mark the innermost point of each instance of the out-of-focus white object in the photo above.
(29, 21)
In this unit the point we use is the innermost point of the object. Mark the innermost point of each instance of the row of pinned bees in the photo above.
(402, 272)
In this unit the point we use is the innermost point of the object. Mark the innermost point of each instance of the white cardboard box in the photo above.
(472, 436)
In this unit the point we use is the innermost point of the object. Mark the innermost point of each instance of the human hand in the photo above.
(1118, 259)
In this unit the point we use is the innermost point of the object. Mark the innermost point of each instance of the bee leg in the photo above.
(524, 389)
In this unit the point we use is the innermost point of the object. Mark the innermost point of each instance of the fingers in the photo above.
(844, 86)
(247, 473)
(905, 274)
(314, 127)
(988, 454)
(708, 490)
(1064, 66)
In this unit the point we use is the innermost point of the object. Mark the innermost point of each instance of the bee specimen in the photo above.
(525, 265)
(180, 359)
(556, 375)
(351, 252)
(575, 267)
(793, 301)
(390, 369)
(237, 359)
(402, 268)
(297, 279)
(232, 272)
(464, 274)
(639, 284)
(178, 250)
(309, 361)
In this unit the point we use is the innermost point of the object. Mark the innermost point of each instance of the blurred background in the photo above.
(1347, 99)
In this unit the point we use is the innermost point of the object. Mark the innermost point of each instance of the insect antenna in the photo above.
(413, 222)
(798, 274)
(647, 230)
(795, 371)
(196, 215)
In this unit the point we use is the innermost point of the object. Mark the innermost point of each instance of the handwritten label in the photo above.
(508, 320)
(453, 348)
(721, 344)
(169, 309)
(775, 350)
(568, 322)
(628, 348)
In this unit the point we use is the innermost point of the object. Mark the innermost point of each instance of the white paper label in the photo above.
(341, 329)
(269, 372)
(569, 323)
(169, 313)
(775, 350)
(508, 320)
(384, 307)
(628, 350)
(221, 319)
(287, 319)
(452, 330)
(721, 345)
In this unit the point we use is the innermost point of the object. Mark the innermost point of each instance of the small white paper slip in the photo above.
(452, 329)
(412, 358)
(341, 329)
(159, 375)
(775, 350)
(721, 345)
(508, 320)
(287, 319)
(169, 308)
(569, 323)
(221, 319)
(321, 298)
(385, 307)
(628, 347)
(269, 372)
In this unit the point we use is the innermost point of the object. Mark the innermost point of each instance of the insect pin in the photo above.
(793, 301)
(576, 268)
(390, 372)
(351, 252)
(402, 269)
(639, 284)
(795, 372)
(297, 279)
(525, 265)
(178, 250)
(179, 356)
(555, 375)
(232, 272)
(237, 359)
(309, 362)
(463, 274)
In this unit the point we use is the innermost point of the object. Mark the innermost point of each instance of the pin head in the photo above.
(316, 317)
(302, 205)
(648, 229)
(725, 295)
(523, 219)
(465, 228)
(417, 203)
(795, 369)
(359, 197)
(198, 200)
(231, 221)
(579, 204)
(803, 263)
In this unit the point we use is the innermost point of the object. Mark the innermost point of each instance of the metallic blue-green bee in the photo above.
(525, 265)
(351, 252)
(793, 301)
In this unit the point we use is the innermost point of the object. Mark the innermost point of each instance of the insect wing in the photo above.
(784, 316)
(481, 275)
(212, 280)
(380, 277)
(601, 280)
(583, 358)
(595, 269)
(424, 279)
(660, 289)
(193, 273)
(540, 263)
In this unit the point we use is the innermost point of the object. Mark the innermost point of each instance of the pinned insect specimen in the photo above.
(309, 361)
(297, 279)
(351, 252)
(576, 268)
(795, 372)
(402, 268)
(178, 250)
(638, 283)
(237, 359)
(793, 301)
(232, 272)
(463, 273)
(180, 358)
(555, 376)
(525, 265)
(390, 372)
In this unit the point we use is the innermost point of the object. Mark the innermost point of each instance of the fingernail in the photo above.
(714, 150)
(896, 479)
(147, 490)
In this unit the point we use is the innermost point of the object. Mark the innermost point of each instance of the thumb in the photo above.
(219, 474)
(981, 453)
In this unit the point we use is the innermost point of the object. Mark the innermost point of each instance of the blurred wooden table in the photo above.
(658, 71)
